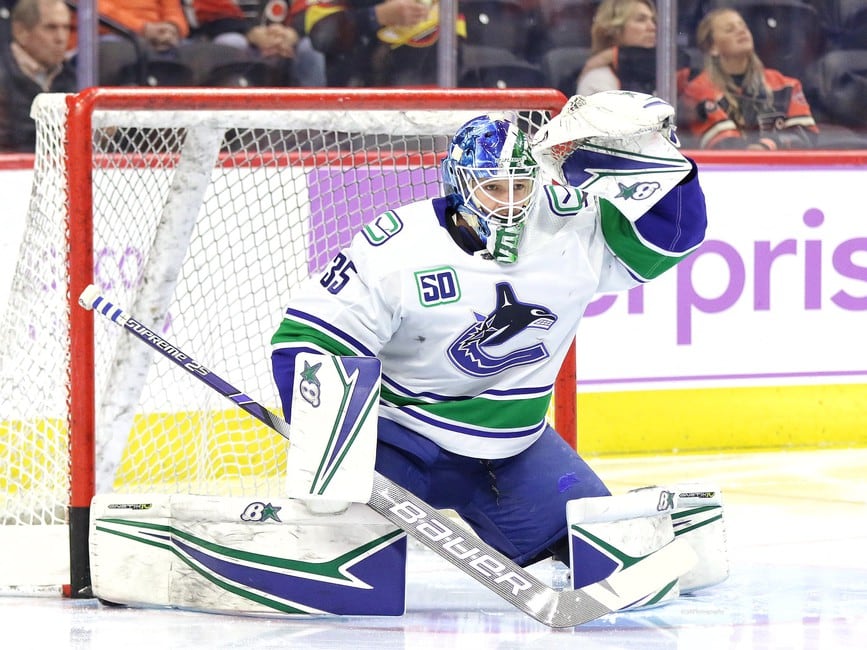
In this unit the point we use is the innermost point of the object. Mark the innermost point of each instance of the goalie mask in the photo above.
(489, 166)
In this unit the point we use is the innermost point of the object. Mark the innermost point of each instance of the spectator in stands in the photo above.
(737, 103)
(369, 43)
(223, 22)
(34, 61)
(160, 23)
(623, 42)
(145, 42)
(271, 35)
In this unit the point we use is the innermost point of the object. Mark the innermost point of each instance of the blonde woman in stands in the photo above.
(738, 103)
(623, 42)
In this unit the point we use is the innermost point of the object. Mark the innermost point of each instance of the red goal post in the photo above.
(172, 201)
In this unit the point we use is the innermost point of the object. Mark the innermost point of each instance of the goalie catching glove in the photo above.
(616, 144)
(606, 116)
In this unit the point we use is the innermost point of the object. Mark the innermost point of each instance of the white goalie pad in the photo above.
(608, 534)
(618, 145)
(242, 555)
(699, 521)
(331, 457)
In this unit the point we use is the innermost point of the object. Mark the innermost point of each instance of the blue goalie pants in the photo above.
(515, 504)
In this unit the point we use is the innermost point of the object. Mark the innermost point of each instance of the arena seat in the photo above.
(494, 67)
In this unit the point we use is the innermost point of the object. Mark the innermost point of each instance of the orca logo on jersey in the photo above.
(470, 351)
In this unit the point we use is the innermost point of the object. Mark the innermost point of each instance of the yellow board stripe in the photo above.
(162, 448)
(617, 423)
(730, 419)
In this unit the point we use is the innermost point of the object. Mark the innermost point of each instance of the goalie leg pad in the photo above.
(608, 534)
(699, 520)
(242, 555)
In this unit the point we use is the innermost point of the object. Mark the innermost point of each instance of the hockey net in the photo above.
(198, 211)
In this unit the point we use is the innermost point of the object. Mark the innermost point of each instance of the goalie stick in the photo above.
(437, 531)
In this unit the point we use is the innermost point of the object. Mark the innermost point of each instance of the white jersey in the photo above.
(470, 348)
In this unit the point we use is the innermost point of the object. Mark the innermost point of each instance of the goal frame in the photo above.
(80, 245)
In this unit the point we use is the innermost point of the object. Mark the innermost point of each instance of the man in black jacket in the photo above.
(34, 61)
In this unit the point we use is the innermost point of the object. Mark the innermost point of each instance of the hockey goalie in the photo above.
(458, 312)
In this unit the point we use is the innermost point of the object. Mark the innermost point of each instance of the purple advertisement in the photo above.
(352, 197)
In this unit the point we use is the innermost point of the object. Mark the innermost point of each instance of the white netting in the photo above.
(203, 222)
(34, 461)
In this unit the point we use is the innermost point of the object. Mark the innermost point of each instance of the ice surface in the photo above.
(797, 530)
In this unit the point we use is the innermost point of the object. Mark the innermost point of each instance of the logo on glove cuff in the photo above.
(638, 191)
